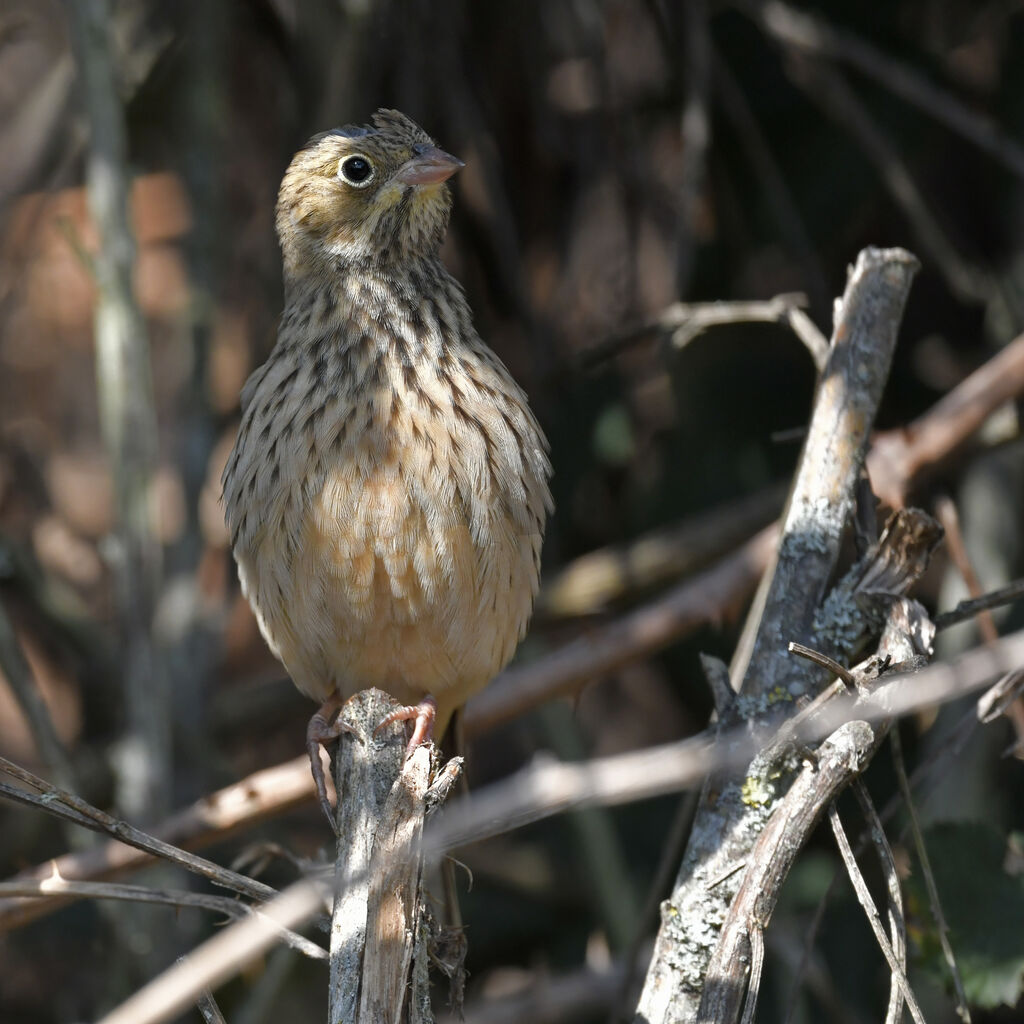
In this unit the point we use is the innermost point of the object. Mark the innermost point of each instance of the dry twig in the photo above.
(212, 819)
(963, 1012)
(545, 789)
(56, 801)
(380, 815)
(900, 459)
(812, 34)
(864, 896)
(127, 417)
(897, 918)
(839, 760)
(16, 671)
(700, 599)
(683, 321)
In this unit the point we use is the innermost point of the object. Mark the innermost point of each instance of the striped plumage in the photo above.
(387, 491)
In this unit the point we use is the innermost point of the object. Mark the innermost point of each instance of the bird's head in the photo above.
(364, 194)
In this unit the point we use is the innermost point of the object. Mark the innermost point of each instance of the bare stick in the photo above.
(218, 958)
(593, 582)
(55, 888)
(864, 896)
(824, 661)
(125, 392)
(963, 1012)
(840, 759)
(687, 320)
(377, 923)
(967, 609)
(897, 918)
(212, 819)
(365, 769)
(546, 789)
(19, 675)
(814, 35)
(697, 600)
(56, 801)
(900, 459)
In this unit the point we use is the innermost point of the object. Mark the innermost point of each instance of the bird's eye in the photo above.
(356, 170)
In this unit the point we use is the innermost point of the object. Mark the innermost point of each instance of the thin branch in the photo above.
(593, 582)
(963, 1012)
(707, 597)
(212, 819)
(813, 34)
(127, 417)
(825, 662)
(546, 789)
(684, 321)
(209, 1009)
(217, 959)
(967, 609)
(18, 673)
(864, 896)
(897, 918)
(55, 888)
(841, 757)
(63, 804)
(900, 459)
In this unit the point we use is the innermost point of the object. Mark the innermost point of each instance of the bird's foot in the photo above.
(423, 714)
(324, 727)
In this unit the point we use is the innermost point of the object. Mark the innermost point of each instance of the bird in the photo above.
(388, 489)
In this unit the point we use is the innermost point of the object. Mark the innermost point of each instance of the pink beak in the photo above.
(429, 167)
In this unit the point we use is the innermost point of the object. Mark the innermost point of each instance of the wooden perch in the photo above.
(378, 928)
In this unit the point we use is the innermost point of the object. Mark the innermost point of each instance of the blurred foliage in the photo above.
(983, 904)
(621, 155)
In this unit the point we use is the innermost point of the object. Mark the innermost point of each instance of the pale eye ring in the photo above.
(356, 170)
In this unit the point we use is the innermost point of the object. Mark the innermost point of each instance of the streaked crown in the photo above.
(370, 193)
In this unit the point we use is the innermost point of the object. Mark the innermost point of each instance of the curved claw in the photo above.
(325, 726)
(423, 714)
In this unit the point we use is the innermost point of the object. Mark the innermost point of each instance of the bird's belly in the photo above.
(380, 578)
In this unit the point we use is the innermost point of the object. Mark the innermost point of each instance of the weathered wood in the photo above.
(365, 770)
(376, 925)
(394, 899)
(727, 824)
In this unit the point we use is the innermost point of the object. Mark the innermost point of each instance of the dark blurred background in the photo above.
(620, 156)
